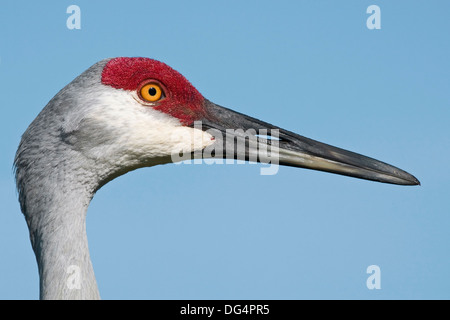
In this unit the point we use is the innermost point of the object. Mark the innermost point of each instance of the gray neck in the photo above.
(55, 189)
(58, 234)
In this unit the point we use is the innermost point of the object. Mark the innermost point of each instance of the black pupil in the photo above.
(152, 91)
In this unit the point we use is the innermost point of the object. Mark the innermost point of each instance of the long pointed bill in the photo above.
(241, 137)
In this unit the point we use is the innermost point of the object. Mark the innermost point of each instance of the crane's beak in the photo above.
(241, 137)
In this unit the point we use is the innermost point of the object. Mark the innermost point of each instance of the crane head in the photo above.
(196, 124)
(127, 113)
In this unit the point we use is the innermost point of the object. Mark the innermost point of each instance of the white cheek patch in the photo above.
(186, 139)
(140, 133)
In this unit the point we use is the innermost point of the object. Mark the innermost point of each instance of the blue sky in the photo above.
(225, 231)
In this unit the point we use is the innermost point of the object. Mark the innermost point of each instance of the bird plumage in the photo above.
(75, 145)
(99, 127)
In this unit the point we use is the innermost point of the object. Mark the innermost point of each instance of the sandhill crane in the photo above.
(126, 113)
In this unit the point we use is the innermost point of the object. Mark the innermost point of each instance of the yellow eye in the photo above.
(151, 92)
